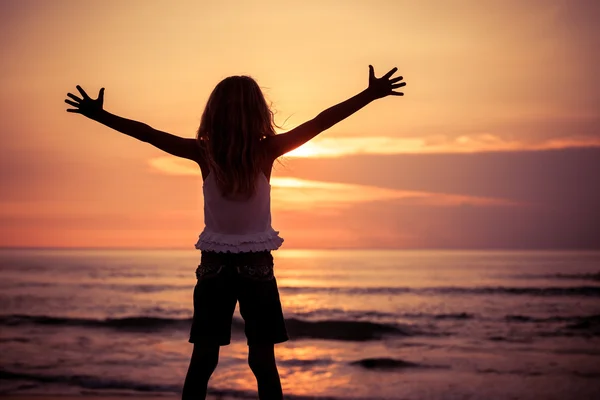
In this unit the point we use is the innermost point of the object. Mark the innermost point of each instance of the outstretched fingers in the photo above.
(72, 103)
(395, 85)
(390, 73)
(76, 103)
(77, 99)
(83, 93)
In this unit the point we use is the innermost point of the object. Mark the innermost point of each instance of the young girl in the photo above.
(235, 148)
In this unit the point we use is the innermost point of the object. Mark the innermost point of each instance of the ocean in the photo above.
(363, 324)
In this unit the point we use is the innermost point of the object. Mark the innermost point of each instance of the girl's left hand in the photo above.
(384, 86)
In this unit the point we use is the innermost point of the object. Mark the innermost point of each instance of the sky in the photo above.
(496, 143)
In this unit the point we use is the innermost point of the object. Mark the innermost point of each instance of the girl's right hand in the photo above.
(384, 86)
(86, 105)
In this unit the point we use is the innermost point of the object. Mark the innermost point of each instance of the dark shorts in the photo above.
(225, 278)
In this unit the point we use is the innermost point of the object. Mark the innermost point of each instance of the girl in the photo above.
(235, 148)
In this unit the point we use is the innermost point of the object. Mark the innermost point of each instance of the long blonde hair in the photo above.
(234, 122)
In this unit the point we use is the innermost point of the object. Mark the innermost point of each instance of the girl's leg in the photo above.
(202, 364)
(261, 359)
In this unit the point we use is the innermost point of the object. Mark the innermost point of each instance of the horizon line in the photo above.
(592, 249)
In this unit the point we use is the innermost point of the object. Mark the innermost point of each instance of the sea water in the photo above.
(363, 324)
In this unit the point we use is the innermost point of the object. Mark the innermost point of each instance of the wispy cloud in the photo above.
(294, 193)
(290, 193)
(327, 147)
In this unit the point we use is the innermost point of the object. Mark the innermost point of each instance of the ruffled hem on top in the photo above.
(220, 242)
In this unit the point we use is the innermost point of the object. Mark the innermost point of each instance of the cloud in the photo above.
(294, 193)
(327, 147)
(289, 193)
(559, 178)
(531, 199)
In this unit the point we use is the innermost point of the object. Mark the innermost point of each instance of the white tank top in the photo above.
(238, 225)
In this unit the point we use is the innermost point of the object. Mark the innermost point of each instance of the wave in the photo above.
(337, 313)
(586, 291)
(88, 382)
(577, 321)
(459, 316)
(586, 326)
(371, 316)
(126, 323)
(326, 329)
(122, 287)
(526, 318)
(391, 363)
(14, 340)
(584, 277)
(297, 328)
(135, 288)
(498, 338)
(587, 276)
(509, 372)
(344, 330)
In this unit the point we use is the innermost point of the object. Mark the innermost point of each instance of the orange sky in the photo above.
(483, 151)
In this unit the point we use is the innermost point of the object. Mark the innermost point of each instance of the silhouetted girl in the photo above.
(235, 148)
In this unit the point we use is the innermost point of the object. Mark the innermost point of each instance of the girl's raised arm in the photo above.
(378, 88)
(175, 145)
